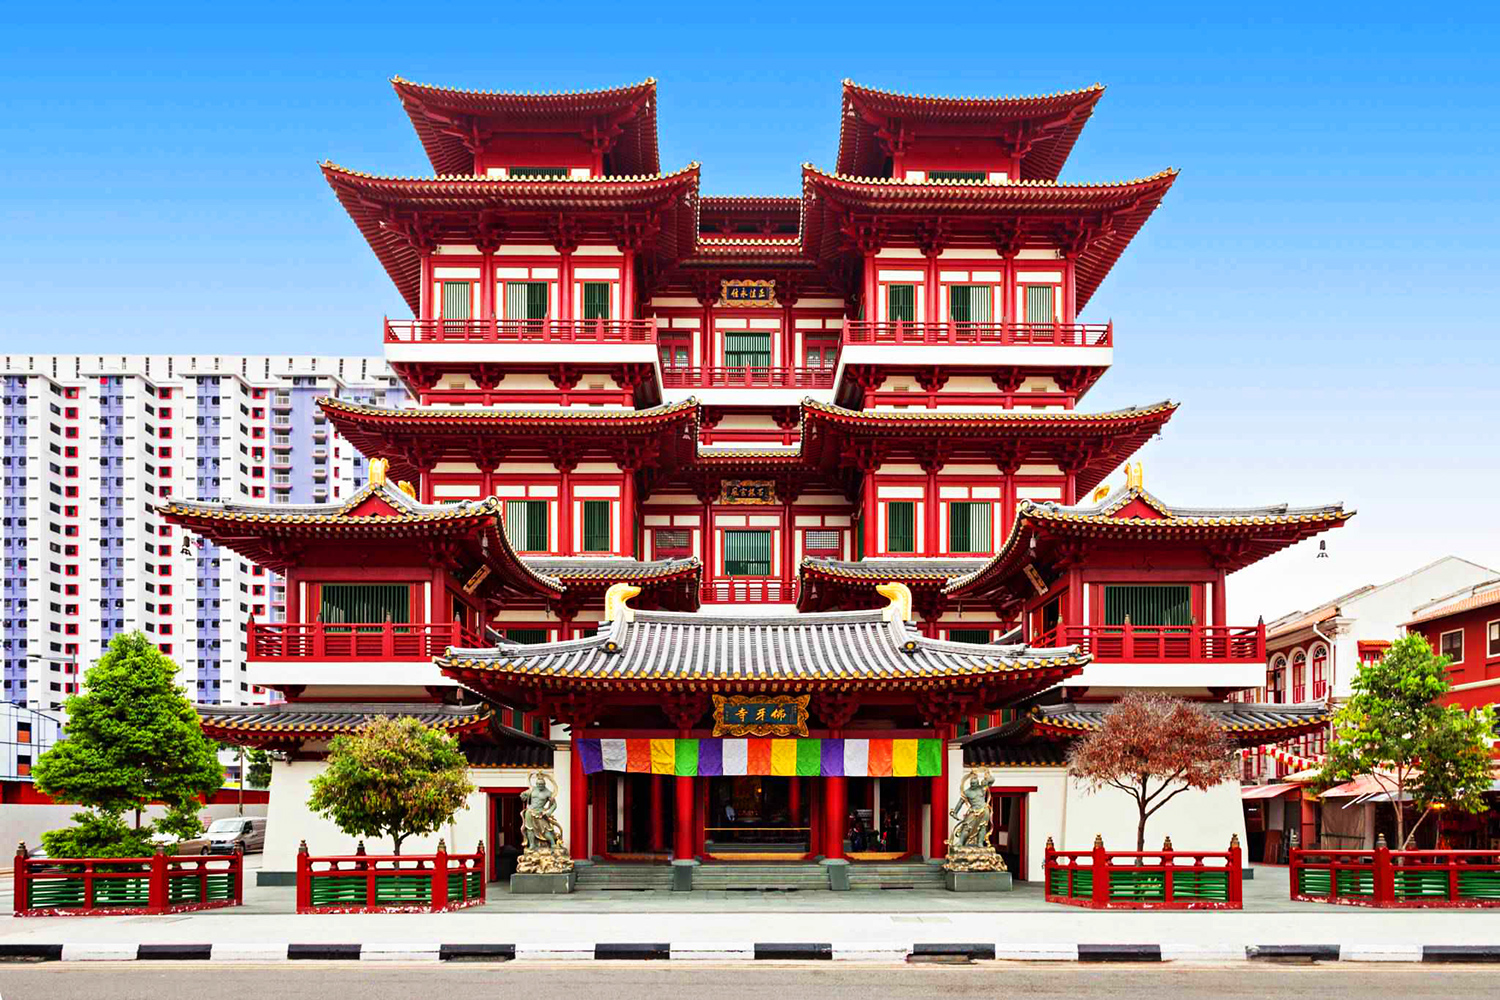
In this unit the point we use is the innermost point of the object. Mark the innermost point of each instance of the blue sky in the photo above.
(1318, 290)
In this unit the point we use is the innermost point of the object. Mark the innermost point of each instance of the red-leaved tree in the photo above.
(1153, 748)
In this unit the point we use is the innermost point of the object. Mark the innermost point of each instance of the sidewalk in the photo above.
(729, 925)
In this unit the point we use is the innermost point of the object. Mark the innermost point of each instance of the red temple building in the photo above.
(760, 414)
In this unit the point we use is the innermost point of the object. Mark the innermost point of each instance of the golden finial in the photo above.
(406, 487)
(899, 594)
(378, 468)
(1135, 476)
(1101, 493)
(615, 598)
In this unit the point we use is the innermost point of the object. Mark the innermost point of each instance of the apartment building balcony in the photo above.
(323, 641)
(953, 333)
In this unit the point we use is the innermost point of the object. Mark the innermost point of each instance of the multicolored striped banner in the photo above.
(807, 758)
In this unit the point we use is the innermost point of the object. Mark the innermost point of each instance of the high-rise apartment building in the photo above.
(92, 445)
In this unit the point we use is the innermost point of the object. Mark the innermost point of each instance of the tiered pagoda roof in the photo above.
(1041, 129)
(1236, 536)
(1039, 738)
(656, 653)
(401, 216)
(453, 124)
(278, 536)
(1095, 221)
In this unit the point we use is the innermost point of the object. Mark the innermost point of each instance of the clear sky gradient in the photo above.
(1319, 289)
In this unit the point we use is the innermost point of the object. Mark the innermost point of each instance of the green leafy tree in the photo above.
(258, 768)
(395, 778)
(131, 738)
(1393, 729)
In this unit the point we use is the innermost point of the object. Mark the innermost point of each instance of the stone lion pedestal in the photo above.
(544, 873)
(975, 869)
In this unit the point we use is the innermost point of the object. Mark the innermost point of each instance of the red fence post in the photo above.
(1293, 870)
(1101, 873)
(1167, 854)
(1127, 641)
(1452, 861)
(1237, 873)
(1385, 879)
(304, 879)
(20, 900)
(484, 873)
(440, 876)
(237, 866)
(156, 885)
(1049, 863)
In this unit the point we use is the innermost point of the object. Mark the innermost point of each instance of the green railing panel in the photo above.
(456, 886)
(1314, 881)
(1190, 883)
(123, 892)
(1418, 884)
(54, 892)
(1478, 885)
(1144, 885)
(1083, 883)
(338, 892)
(1356, 883)
(413, 888)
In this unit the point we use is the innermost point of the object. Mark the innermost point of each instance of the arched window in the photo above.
(1299, 676)
(1319, 673)
(1276, 683)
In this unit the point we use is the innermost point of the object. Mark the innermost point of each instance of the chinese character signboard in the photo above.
(760, 715)
(747, 293)
(747, 491)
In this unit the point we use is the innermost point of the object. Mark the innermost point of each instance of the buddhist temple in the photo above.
(752, 521)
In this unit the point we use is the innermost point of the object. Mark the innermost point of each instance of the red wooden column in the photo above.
(1220, 613)
(628, 518)
(939, 798)
(930, 510)
(600, 793)
(658, 831)
(870, 509)
(578, 808)
(814, 819)
(835, 814)
(293, 596)
(794, 800)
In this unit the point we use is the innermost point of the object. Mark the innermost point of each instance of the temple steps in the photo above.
(750, 876)
(895, 875)
(625, 877)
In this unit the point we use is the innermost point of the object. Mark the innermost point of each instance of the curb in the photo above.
(776, 951)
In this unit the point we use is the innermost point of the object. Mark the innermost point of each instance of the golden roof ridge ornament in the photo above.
(899, 594)
(1135, 476)
(378, 469)
(615, 606)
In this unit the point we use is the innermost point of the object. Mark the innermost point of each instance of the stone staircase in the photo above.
(895, 875)
(617, 877)
(759, 876)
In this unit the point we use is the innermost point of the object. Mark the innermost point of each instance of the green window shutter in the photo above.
(957, 175)
(515, 299)
(747, 350)
(971, 303)
(976, 635)
(365, 603)
(901, 303)
(457, 300)
(1148, 605)
(536, 299)
(969, 526)
(596, 300)
(1039, 304)
(526, 636)
(901, 526)
(596, 525)
(747, 553)
(526, 525)
(536, 173)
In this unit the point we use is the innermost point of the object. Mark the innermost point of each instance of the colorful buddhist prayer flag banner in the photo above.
(807, 758)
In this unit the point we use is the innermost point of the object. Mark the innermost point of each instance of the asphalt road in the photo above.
(159, 981)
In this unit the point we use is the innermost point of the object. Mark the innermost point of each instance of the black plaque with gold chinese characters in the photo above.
(747, 292)
(762, 491)
(763, 715)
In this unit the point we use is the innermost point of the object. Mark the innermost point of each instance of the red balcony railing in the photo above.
(1163, 643)
(674, 377)
(520, 331)
(997, 334)
(737, 590)
(354, 641)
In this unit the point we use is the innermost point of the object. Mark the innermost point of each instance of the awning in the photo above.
(1365, 784)
(1267, 791)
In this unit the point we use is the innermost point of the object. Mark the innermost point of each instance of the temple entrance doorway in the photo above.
(760, 818)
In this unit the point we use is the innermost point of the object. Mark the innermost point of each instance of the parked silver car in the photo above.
(170, 843)
(236, 835)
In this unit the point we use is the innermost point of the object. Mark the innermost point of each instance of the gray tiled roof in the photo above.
(835, 645)
(573, 568)
(397, 498)
(1232, 716)
(333, 718)
(880, 570)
